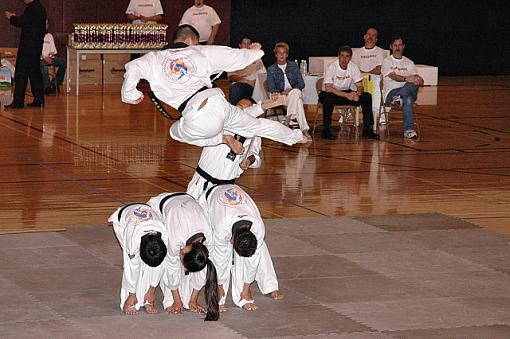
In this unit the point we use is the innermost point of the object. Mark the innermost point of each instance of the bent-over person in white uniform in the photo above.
(187, 267)
(180, 76)
(238, 232)
(142, 236)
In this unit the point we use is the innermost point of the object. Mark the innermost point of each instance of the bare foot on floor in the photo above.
(277, 295)
(150, 308)
(234, 145)
(250, 307)
(223, 309)
(129, 307)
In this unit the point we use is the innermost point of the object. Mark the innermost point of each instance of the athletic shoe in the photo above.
(410, 134)
(396, 101)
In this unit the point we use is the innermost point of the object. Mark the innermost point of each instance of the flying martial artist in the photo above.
(239, 247)
(180, 77)
(187, 267)
(142, 236)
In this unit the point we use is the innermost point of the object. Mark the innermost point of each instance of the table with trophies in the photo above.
(111, 39)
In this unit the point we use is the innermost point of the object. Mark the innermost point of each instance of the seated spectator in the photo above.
(339, 80)
(283, 77)
(243, 81)
(48, 59)
(369, 58)
(400, 83)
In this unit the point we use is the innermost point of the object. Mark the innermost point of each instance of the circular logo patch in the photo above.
(232, 197)
(179, 68)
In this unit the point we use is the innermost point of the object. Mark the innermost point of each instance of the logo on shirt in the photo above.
(179, 68)
(143, 214)
(369, 56)
(232, 197)
(342, 77)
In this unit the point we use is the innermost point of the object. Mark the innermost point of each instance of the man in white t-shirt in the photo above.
(144, 11)
(48, 58)
(369, 58)
(204, 19)
(401, 82)
(243, 81)
(343, 85)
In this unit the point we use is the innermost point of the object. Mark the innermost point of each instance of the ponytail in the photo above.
(196, 260)
(211, 293)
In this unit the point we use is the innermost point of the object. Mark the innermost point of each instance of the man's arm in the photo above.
(330, 89)
(301, 83)
(135, 70)
(214, 32)
(132, 17)
(376, 70)
(157, 18)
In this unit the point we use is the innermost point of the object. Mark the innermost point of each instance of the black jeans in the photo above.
(330, 100)
(238, 91)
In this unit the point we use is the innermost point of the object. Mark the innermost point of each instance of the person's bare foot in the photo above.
(176, 308)
(250, 307)
(303, 141)
(223, 308)
(150, 299)
(234, 145)
(129, 307)
(277, 295)
(196, 308)
(247, 297)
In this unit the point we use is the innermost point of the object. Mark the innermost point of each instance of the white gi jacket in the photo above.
(136, 220)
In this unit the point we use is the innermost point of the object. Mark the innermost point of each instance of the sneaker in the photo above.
(382, 119)
(396, 101)
(410, 134)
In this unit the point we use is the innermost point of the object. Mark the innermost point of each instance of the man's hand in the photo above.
(142, 18)
(246, 163)
(8, 15)
(210, 41)
(48, 60)
(137, 101)
(286, 92)
(255, 46)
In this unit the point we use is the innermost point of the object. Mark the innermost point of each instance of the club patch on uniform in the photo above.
(232, 197)
(143, 214)
(179, 68)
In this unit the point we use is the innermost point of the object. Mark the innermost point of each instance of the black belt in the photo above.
(165, 199)
(123, 208)
(185, 102)
(212, 179)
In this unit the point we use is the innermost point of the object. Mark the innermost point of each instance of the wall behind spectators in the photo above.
(462, 38)
(63, 13)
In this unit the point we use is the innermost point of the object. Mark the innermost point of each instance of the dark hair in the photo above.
(245, 242)
(345, 48)
(242, 38)
(195, 261)
(186, 31)
(152, 249)
(372, 27)
(395, 38)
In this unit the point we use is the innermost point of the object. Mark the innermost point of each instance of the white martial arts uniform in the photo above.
(137, 220)
(226, 205)
(215, 163)
(177, 74)
(183, 218)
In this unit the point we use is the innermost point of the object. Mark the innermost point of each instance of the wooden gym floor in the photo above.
(73, 162)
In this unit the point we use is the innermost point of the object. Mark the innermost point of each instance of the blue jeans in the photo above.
(61, 65)
(409, 94)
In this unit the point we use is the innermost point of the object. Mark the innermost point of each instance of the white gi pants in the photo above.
(245, 270)
(295, 108)
(205, 126)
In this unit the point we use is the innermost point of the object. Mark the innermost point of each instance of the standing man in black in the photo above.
(33, 29)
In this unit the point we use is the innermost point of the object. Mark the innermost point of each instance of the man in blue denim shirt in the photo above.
(283, 77)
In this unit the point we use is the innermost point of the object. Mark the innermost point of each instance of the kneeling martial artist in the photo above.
(185, 271)
(238, 232)
(142, 236)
